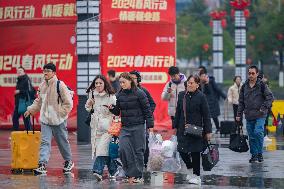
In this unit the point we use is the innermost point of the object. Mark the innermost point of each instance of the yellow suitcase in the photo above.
(25, 150)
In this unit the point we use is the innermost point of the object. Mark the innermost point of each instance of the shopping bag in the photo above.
(210, 157)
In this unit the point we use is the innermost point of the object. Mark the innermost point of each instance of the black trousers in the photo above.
(146, 153)
(173, 121)
(216, 122)
(235, 108)
(16, 117)
(192, 160)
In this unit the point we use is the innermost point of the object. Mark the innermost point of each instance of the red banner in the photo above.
(148, 48)
(151, 11)
(31, 44)
(37, 10)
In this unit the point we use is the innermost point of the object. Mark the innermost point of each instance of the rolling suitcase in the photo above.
(25, 150)
(227, 126)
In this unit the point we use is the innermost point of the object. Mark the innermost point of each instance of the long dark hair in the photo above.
(127, 76)
(107, 86)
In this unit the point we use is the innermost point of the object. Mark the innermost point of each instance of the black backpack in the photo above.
(71, 92)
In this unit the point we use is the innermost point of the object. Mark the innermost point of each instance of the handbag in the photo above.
(115, 127)
(210, 157)
(113, 148)
(23, 104)
(89, 117)
(238, 141)
(191, 129)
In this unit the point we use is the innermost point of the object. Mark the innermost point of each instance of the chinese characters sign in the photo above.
(138, 10)
(140, 35)
(32, 44)
(21, 10)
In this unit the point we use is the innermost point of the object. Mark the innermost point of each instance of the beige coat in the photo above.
(52, 113)
(100, 122)
(233, 94)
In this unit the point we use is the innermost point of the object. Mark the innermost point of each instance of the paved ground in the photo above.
(233, 170)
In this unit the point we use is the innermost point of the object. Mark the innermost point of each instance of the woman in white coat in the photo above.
(233, 94)
(100, 96)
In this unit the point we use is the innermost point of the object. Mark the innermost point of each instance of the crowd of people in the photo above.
(192, 100)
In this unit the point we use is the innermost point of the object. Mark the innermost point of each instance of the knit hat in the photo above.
(50, 66)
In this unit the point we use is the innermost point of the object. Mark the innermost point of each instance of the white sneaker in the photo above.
(98, 177)
(112, 178)
(189, 174)
(195, 180)
(138, 180)
(267, 139)
(68, 166)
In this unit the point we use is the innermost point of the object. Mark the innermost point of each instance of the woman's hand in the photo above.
(91, 102)
(27, 114)
(110, 107)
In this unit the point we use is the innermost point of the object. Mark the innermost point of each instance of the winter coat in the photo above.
(24, 86)
(172, 97)
(150, 99)
(115, 85)
(134, 108)
(52, 112)
(100, 122)
(233, 94)
(255, 102)
(197, 113)
(213, 93)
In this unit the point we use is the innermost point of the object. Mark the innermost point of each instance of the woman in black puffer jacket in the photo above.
(134, 108)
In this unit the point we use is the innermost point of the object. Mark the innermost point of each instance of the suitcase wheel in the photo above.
(22, 171)
(17, 171)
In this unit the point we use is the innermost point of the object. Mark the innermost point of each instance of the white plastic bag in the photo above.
(156, 159)
(172, 161)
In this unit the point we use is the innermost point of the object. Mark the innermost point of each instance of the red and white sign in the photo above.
(144, 45)
(31, 44)
(142, 11)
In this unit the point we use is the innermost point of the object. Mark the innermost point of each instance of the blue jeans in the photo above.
(60, 134)
(255, 129)
(100, 163)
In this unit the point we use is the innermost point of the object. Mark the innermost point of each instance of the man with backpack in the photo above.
(172, 89)
(54, 103)
(255, 100)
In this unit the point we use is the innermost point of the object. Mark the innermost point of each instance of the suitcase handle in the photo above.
(33, 125)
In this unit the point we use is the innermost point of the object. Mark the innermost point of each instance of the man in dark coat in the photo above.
(213, 93)
(113, 80)
(23, 88)
(255, 101)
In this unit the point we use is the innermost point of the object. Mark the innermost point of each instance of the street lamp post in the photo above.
(240, 14)
(280, 37)
(218, 22)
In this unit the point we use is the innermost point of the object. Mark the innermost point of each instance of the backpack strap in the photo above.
(58, 90)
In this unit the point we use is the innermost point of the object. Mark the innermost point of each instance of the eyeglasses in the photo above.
(251, 73)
